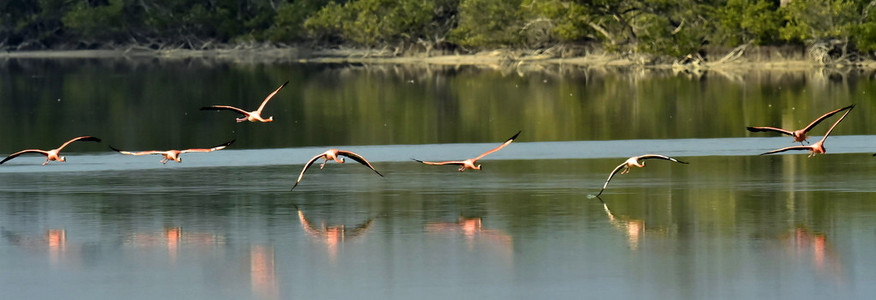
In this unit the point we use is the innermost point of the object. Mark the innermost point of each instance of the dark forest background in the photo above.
(827, 28)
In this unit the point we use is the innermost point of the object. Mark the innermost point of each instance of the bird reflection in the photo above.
(172, 238)
(332, 235)
(633, 228)
(805, 244)
(473, 231)
(263, 276)
(54, 242)
(57, 241)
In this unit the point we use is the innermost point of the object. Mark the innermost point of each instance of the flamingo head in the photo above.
(62, 158)
(270, 119)
(478, 167)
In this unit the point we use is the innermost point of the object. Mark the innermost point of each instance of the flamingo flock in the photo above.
(339, 156)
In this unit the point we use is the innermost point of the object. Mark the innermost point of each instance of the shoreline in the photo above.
(762, 60)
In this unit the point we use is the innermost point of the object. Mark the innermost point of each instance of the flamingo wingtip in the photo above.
(516, 134)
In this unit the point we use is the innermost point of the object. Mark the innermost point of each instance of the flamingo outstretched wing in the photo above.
(137, 152)
(306, 166)
(617, 169)
(439, 163)
(259, 111)
(359, 159)
(16, 154)
(81, 138)
(825, 116)
(226, 107)
(837, 122)
(506, 143)
(211, 149)
(788, 149)
(658, 156)
(774, 129)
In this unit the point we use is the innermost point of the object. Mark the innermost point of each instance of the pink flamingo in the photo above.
(332, 154)
(470, 163)
(252, 116)
(634, 161)
(818, 147)
(173, 154)
(54, 153)
(800, 135)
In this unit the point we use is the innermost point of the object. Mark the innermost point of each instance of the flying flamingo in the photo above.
(173, 154)
(469, 163)
(332, 154)
(634, 161)
(52, 154)
(800, 135)
(818, 147)
(252, 116)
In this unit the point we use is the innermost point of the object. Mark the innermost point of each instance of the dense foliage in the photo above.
(668, 27)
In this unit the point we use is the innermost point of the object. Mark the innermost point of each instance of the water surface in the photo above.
(224, 225)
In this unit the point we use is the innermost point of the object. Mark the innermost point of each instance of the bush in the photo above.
(288, 24)
(96, 23)
(372, 22)
(743, 21)
(809, 20)
(484, 23)
(567, 20)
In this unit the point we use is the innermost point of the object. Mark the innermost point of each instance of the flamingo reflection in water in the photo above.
(333, 235)
(263, 273)
(634, 229)
(472, 229)
(53, 242)
(172, 238)
(805, 244)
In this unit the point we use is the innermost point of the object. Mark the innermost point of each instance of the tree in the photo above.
(372, 22)
(484, 23)
(743, 21)
(564, 21)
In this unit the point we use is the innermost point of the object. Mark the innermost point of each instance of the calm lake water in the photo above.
(224, 225)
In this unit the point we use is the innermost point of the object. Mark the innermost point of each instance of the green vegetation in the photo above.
(830, 28)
